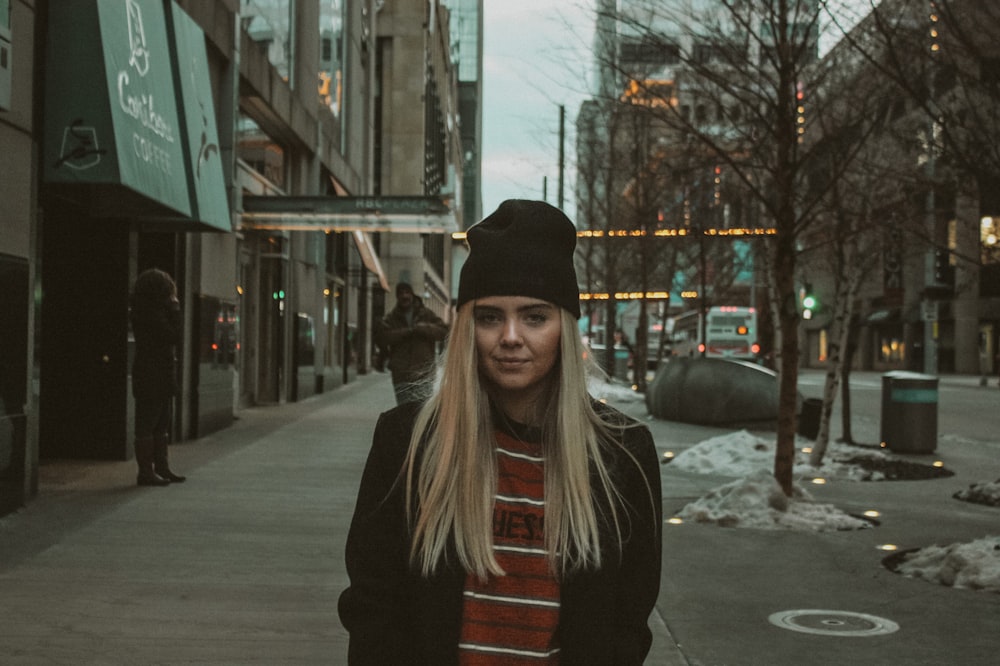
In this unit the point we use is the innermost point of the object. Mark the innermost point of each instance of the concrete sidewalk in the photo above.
(243, 563)
(722, 586)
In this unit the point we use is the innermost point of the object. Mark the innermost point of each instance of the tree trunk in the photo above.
(845, 385)
(641, 347)
(788, 377)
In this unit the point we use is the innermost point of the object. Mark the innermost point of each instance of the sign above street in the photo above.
(397, 214)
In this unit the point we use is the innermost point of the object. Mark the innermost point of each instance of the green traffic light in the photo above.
(809, 302)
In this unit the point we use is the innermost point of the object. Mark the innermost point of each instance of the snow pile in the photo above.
(974, 565)
(737, 453)
(758, 501)
(987, 493)
(607, 391)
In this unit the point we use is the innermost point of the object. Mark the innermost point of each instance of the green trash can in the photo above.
(909, 412)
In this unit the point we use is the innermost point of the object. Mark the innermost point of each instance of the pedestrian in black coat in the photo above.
(409, 335)
(157, 327)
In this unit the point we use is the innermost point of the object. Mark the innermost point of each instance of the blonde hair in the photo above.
(451, 469)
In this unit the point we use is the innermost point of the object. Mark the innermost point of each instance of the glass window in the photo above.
(269, 24)
(989, 234)
(331, 63)
(260, 151)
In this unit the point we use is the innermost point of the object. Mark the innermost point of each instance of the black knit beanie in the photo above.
(525, 248)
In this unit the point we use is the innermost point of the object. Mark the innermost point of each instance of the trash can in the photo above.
(909, 412)
(812, 408)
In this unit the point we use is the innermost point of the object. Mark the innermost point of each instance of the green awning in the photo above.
(205, 177)
(116, 117)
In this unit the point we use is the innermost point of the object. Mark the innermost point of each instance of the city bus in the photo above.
(731, 333)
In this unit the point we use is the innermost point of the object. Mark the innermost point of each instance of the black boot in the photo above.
(144, 459)
(161, 460)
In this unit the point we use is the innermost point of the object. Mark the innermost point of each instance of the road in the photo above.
(965, 409)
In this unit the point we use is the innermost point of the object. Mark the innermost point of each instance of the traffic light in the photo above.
(809, 301)
(944, 272)
(800, 110)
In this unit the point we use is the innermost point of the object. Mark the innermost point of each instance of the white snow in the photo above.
(974, 565)
(758, 501)
(755, 499)
(738, 453)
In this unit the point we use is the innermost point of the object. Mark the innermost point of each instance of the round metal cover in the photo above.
(833, 623)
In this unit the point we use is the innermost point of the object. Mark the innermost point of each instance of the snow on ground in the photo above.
(974, 565)
(756, 500)
(738, 453)
(987, 493)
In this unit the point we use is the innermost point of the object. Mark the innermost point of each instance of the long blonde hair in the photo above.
(451, 471)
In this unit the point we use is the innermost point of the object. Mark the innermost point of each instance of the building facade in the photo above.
(931, 299)
(417, 153)
(140, 145)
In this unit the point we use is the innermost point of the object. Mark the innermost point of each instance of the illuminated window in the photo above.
(989, 236)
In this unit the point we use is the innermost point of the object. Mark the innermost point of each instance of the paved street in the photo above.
(242, 564)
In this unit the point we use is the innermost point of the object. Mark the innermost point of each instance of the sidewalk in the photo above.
(721, 586)
(243, 563)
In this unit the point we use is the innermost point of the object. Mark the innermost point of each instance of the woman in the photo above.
(511, 518)
(157, 326)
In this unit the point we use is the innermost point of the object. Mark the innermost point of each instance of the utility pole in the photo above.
(930, 306)
(562, 153)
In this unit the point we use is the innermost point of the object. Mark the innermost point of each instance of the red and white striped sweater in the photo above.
(512, 619)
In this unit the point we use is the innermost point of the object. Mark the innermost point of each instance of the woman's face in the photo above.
(517, 340)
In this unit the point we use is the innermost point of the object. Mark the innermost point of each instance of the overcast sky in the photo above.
(536, 57)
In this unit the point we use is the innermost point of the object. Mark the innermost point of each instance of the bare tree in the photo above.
(729, 78)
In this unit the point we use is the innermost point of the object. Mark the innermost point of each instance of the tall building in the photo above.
(418, 147)
(467, 54)
(243, 147)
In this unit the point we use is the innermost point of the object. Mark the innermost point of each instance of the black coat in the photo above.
(395, 616)
(411, 348)
(157, 328)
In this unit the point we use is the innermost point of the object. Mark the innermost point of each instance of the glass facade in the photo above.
(466, 23)
(268, 22)
(331, 54)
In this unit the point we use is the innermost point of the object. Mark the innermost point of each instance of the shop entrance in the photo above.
(83, 337)
(13, 370)
(88, 267)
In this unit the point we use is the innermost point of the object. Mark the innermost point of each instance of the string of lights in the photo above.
(660, 233)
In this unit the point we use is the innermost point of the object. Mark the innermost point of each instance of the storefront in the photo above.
(132, 170)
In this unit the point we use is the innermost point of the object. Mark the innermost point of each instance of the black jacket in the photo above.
(157, 327)
(412, 349)
(395, 616)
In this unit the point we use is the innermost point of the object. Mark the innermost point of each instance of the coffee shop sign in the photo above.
(139, 104)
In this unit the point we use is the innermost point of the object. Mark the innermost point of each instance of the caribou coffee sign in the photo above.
(111, 106)
(137, 99)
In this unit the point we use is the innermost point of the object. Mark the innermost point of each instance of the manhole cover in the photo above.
(833, 623)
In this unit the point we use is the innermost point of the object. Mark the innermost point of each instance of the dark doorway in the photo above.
(83, 337)
(13, 380)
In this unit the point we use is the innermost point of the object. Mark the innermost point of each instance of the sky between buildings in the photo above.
(536, 58)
